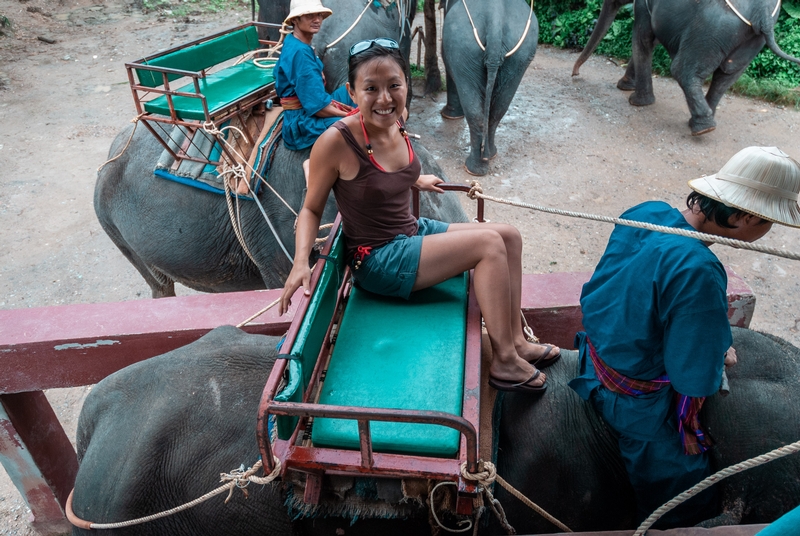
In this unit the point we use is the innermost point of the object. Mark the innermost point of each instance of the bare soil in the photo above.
(569, 143)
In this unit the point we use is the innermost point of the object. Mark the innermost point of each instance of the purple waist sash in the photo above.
(687, 408)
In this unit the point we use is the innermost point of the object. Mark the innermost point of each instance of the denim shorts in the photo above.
(391, 269)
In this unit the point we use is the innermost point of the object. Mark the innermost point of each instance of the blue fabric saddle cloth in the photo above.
(205, 146)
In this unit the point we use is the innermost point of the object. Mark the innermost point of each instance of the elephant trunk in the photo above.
(607, 15)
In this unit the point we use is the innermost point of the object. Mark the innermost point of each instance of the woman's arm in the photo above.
(323, 172)
(331, 111)
(428, 183)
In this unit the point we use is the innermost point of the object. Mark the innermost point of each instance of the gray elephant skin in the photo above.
(704, 39)
(173, 233)
(158, 433)
(393, 20)
(482, 83)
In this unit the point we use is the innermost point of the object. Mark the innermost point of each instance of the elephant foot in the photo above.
(626, 84)
(489, 153)
(646, 100)
(476, 166)
(450, 112)
(702, 125)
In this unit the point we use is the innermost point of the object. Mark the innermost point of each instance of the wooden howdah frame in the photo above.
(169, 75)
(315, 462)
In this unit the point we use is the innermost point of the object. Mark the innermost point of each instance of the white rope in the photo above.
(351, 26)
(524, 34)
(474, 29)
(436, 518)
(477, 192)
(713, 479)
(478, 39)
(730, 5)
(135, 122)
(235, 479)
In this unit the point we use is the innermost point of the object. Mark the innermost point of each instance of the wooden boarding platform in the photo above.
(75, 345)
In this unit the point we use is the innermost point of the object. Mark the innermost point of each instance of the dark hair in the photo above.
(375, 51)
(714, 210)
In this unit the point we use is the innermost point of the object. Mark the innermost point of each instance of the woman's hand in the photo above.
(427, 183)
(300, 276)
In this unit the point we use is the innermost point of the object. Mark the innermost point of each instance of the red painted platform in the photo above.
(74, 345)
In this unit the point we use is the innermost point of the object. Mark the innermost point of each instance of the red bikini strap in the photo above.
(369, 145)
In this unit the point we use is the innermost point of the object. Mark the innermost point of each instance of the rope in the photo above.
(532, 505)
(485, 476)
(521, 39)
(135, 122)
(238, 478)
(477, 192)
(238, 171)
(347, 31)
(436, 518)
(261, 312)
(730, 5)
(713, 479)
(474, 29)
(524, 34)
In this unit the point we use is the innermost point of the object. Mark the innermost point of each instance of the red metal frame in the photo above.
(296, 456)
(140, 92)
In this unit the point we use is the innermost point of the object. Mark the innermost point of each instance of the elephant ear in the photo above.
(792, 8)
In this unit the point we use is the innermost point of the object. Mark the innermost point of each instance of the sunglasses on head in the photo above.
(361, 46)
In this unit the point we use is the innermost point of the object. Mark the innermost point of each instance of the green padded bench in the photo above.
(392, 353)
(221, 89)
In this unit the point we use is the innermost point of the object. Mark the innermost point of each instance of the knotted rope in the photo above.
(135, 122)
(521, 39)
(238, 478)
(486, 475)
(347, 31)
(477, 192)
(713, 479)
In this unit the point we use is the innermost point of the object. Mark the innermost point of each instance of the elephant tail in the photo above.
(767, 27)
(491, 77)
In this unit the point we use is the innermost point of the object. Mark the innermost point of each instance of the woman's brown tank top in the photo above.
(375, 205)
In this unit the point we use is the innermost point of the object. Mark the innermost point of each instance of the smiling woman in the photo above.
(369, 163)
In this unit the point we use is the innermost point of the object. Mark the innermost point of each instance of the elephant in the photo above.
(702, 38)
(486, 48)
(391, 19)
(157, 434)
(172, 233)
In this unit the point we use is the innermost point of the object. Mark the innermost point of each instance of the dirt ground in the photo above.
(569, 143)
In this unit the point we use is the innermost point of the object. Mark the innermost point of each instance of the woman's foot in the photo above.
(516, 372)
(539, 355)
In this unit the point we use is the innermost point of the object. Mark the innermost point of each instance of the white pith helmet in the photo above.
(306, 7)
(763, 181)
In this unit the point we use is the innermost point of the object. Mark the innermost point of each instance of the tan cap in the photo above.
(763, 181)
(306, 7)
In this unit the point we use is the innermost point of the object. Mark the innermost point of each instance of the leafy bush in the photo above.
(569, 23)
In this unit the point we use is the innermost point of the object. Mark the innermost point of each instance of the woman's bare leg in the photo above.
(484, 249)
(513, 243)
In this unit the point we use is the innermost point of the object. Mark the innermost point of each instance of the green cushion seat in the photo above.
(392, 353)
(220, 89)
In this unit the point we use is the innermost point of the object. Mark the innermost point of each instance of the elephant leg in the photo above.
(161, 285)
(453, 109)
(644, 40)
(731, 69)
(628, 80)
(691, 82)
(475, 164)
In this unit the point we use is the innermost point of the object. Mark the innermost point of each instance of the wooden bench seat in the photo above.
(207, 96)
(393, 353)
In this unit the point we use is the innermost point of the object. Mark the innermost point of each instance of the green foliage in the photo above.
(569, 23)
(417, 72)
